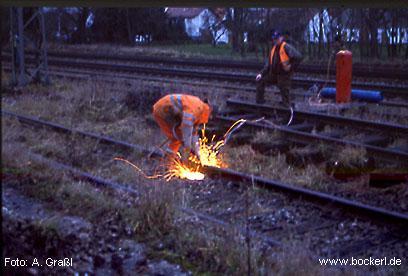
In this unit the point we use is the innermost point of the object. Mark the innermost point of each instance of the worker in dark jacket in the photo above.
(179, 116)
(278, 70)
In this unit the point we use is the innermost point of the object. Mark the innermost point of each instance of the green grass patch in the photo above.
(223, 51)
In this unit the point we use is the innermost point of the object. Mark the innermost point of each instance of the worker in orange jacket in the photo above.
(278, 70)
(179, 116)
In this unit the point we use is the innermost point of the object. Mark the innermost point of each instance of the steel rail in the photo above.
(305, 137)
(328, 119)
(63, 129)
(311, 195)
(393, 103)
(84, 175)
(358, 70)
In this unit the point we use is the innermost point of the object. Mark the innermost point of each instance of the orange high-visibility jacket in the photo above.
(187, 109)
(282, 53)
(289, 59)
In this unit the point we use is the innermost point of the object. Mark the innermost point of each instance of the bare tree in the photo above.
(129, 28)
(235, 22)
(80, 33)
(5, 25)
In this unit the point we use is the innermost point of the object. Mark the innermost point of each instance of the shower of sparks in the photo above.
(210, 155)
(175, 169)
(138, 169)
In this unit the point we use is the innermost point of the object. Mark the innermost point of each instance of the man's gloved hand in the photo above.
(185, 154)
(196, 150)
(258, 77)
(286, 66)
(195, 146)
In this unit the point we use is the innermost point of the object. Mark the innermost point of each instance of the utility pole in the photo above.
(20, 74)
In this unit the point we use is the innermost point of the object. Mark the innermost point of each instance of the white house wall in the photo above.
(224, 37)
(195, 24)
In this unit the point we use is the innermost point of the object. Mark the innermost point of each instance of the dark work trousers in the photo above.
(282, 81)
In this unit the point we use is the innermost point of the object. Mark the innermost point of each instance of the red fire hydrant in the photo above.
(343, 76)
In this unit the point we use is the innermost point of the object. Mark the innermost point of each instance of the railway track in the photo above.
(301, 117)
(389, 91)
(376, 133)
(300, 212)
(211, 170)
(302, 137)
(86, 74)
(370, 71)
(77, 73)
(300, 130)
(306, 124)
(260, 222)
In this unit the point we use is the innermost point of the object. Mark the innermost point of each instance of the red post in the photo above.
(343, 76)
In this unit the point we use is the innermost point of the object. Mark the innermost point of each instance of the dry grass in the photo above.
(157, 208)
(152, 212)
(351, 156)
(295, 257)
(379, 113)
(224, 251)
(55, 187)
(88, 106)
(245, 159)
(152, 216)
(399, 142)
(313, 176)
(266, 136)
(93, 105)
